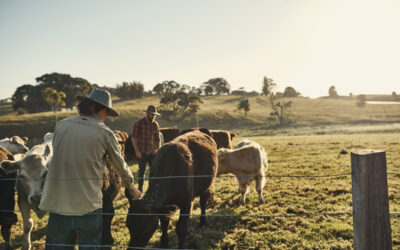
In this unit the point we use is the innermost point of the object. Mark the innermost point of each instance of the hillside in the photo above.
(307, 116)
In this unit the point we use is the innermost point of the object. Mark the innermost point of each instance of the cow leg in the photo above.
(182, 224)
(244, 188)
(164, 229)
(108, 210)
(28, 225)
(6, 233)
(260, 183)
(203, 205)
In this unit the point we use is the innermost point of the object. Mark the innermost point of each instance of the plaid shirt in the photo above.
(146, 135)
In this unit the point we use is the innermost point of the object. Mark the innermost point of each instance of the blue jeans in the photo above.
(142, 167)
(62, 231)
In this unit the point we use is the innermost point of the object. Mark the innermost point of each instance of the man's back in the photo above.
(80, 145)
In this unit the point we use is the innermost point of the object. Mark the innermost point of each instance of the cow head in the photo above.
(31, 176)
(16, 145)
(140, 221)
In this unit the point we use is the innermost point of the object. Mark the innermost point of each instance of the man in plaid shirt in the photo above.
(146, 140)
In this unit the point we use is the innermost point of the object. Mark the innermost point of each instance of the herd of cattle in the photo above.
(188, 153)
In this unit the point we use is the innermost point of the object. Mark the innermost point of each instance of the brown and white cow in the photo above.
(248, 161)
(32, 170)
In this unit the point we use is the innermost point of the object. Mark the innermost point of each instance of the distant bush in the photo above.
(361, 101)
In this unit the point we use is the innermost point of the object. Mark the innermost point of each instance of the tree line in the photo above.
(177, 101)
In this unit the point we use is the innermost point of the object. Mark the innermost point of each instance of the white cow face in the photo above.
(30, 177)
(15, 145)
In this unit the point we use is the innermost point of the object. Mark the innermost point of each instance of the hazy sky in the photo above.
(307, 44)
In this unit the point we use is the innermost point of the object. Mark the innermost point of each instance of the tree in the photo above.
(332, 92)
(279, 109)
(245, 105)
(159, 89)
(54, 98)
(132, 90)
(29, 97)
(361, 101)
(179, 103)
(216, 86)
(290, 92)
(268, 85)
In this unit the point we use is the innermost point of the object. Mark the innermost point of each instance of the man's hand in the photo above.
(138, 154)
(135, 193)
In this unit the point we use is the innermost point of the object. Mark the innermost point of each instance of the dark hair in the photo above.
(89, 107)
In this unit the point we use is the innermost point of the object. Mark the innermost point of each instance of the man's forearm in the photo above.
(135, 145)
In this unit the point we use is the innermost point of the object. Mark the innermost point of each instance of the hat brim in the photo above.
(154, 113)
(111, 112)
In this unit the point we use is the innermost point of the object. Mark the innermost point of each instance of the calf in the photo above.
(248, 162)
(32, 170)
(7, 198)
(15, 144)
(188, 155)
(223, 138)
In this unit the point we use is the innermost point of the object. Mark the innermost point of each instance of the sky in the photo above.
(306, 44)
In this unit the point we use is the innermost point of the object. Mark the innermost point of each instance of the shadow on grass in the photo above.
(38, 236)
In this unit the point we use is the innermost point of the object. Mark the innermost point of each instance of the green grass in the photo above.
(288, 155)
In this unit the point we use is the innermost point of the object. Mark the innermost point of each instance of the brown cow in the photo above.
(169, 133)
(5, 154)
(188, 155)
(223, 138)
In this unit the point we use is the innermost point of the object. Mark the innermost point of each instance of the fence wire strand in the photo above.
(92, 246)
(198, 215)
(179, 177)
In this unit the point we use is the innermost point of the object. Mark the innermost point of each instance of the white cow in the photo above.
(32, 170)
(15, 145)
(248, 161)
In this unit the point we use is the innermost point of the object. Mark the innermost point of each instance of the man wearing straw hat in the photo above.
(72, 190)
(146, 140)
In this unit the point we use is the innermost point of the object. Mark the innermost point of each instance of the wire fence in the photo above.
(290, 215)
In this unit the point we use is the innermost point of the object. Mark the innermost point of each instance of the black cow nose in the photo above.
(35, 199)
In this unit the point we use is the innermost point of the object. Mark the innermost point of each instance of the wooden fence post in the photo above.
(371, 219)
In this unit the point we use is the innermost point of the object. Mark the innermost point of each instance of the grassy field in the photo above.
(288, 155)
(317, 142)
(307, 116)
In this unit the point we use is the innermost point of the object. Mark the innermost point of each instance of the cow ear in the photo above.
(9, 166)
(25, 139)
(47, 151)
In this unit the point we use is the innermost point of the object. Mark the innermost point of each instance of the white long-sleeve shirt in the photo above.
(74, 179)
